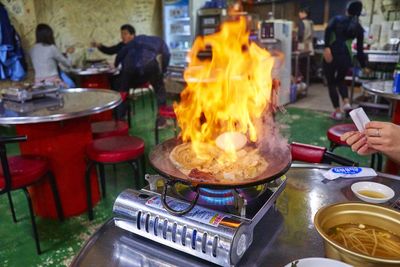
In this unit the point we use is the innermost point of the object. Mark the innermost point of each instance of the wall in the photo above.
(78, 22)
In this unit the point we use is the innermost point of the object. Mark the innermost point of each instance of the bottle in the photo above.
(396, 82)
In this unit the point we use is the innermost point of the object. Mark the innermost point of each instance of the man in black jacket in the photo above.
(127, 34)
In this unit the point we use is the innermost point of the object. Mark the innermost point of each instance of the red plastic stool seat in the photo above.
(103, 129)
(167, 112)
(115, 149)
(112, 150)
(25, 170)
(338, 130)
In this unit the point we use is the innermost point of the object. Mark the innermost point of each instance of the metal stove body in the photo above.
(220, 237)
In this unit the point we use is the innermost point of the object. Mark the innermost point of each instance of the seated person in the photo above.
(378, 137)
(127, 34)
(45, 57)
(143, 59)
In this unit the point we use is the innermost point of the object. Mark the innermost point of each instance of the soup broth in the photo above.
(367, 240)
(370, 193)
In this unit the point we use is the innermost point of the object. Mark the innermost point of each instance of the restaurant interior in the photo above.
(200, 133)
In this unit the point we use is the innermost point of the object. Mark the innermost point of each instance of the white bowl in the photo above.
(385, 192)
(318, 262)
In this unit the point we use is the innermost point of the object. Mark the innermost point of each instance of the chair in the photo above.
(143, 87)
(19, 172)
(317, 154)
(338, 130)
(166, 112)
(103, 129)
(113, 150)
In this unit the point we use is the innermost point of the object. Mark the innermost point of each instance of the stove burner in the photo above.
(221, 199)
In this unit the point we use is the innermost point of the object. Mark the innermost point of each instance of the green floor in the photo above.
(61, 241)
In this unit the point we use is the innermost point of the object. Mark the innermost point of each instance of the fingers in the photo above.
(358, 144)
(345, 136)
(376, 125)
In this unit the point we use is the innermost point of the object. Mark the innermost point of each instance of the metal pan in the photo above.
(278, 164)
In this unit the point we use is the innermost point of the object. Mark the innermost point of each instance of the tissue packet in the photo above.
(349, 172)
(359, 118)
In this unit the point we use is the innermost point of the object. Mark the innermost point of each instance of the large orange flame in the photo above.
(226, 93)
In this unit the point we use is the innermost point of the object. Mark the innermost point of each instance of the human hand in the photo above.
(94, 44)
(366, 71)
(358, 143)
(328, 55)
(384, 137)
(70, 50)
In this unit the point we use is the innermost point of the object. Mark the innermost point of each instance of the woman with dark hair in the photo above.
(46, 57)
(339, 34)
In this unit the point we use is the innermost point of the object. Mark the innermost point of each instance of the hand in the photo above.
(366, 71)
(358, 143)
(70, 50)
(328, 55)
(94, 44)
(384, 137)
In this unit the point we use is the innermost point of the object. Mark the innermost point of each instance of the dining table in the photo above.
(58, 127)
(384, 88)
(286, 233)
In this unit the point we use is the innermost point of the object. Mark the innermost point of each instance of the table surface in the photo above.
(94, 71)
(284, 234)
(71, 103)
(381, 88)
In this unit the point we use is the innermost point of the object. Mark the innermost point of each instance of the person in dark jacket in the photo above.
(127, 34)
(339, 34)
(143, 59)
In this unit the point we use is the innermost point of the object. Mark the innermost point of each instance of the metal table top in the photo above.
(71, 103)
(283, 235)
(94, 71)
(381, 88)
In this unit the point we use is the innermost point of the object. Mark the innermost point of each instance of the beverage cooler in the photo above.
(179, 26)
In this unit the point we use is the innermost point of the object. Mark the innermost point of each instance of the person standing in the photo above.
(337, 55)
(305, 34)
(46, 57)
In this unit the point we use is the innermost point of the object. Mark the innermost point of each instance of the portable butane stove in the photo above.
(218, 229)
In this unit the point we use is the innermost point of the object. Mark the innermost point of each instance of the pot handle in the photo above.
(171, 210)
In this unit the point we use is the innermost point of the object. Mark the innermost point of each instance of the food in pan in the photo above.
(218, 165)
(367, 240)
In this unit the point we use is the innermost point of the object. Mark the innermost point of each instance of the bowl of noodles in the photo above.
(360, 234)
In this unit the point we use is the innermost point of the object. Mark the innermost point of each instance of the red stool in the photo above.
(112, 150)
(103, 129)
(166, 112)
(338, 130)
(19, 172)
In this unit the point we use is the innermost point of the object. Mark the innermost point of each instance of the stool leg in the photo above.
(175, 128)
(102, 179)
(89, 190)
(56, 196)
(129, 112)
(33, 222)
(380, 159)
(135, 174)
(332, 146)
(152, 99)
(156, 130)
(372, 161)
(11, 206)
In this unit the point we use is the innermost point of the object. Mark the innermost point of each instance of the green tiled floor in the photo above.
(61, 241)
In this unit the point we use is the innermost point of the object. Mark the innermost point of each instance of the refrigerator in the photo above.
(179, 27)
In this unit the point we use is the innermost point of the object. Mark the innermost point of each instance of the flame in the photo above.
(226, 93)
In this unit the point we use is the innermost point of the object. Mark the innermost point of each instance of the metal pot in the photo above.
(360, 213)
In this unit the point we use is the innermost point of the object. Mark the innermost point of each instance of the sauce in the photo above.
(370, 193)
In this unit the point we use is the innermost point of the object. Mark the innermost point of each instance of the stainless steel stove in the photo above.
(219, 229)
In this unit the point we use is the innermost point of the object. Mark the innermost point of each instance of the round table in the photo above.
(95, 77)
(59, 129)
(385, 89)
(284, 234)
